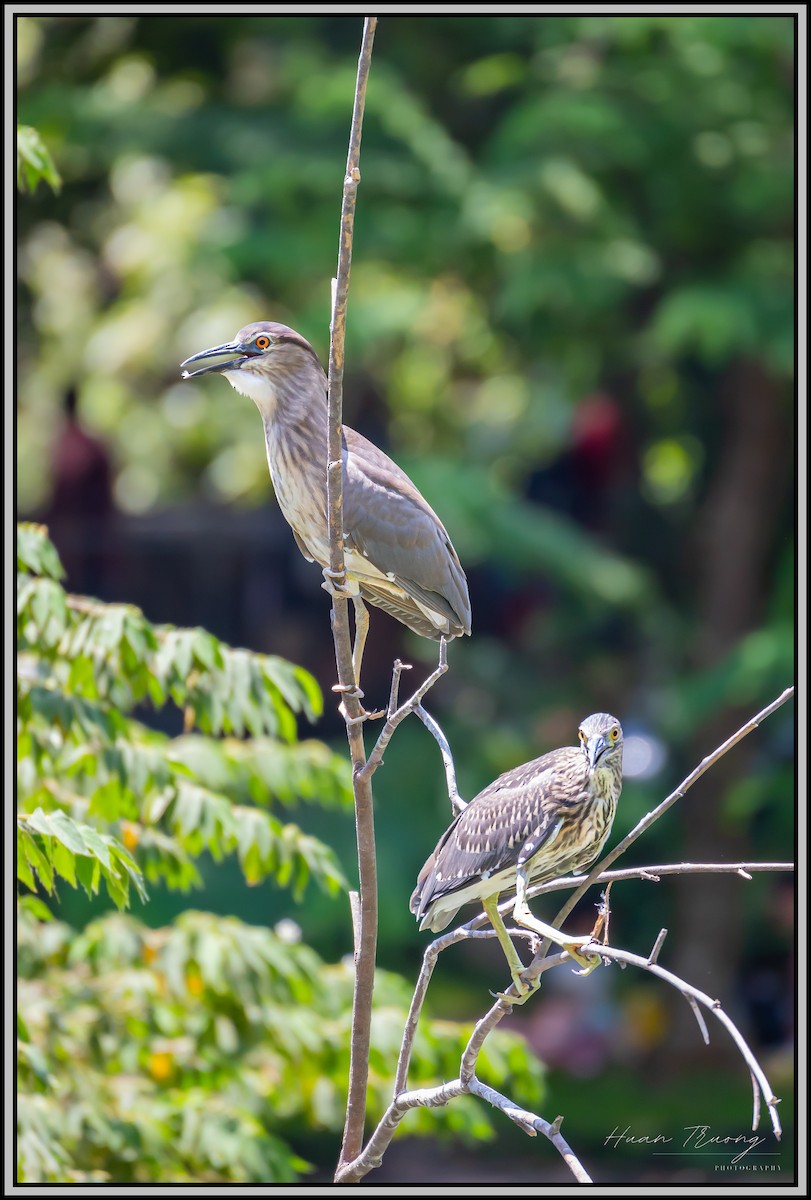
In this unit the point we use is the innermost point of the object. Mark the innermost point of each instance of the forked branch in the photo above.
(468, 1083)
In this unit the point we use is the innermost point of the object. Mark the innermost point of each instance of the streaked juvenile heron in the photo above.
(540, 821)
(397, 552)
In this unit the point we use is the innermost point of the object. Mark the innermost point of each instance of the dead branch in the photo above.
(532, 1125)
(468, 1082)
(694, 996)
(393, 719)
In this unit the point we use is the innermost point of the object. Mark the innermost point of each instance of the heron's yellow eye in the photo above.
(262, 342)
(581, 735)
(614, 734)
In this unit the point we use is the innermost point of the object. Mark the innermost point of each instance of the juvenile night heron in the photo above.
(537, 822)
(398, 554)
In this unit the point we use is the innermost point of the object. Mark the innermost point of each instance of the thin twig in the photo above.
(399, 667)
(755, 1102)
(652, 874)
(457, 803)
(532, 1125)
(366, 937)
(394, 719)
(715, 1008)
(657, 946)
(649, 874)
(702, 1024)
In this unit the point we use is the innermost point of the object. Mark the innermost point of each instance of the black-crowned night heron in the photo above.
(397, 552)
(537, 822)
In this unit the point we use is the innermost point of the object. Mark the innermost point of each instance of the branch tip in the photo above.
(657, 946)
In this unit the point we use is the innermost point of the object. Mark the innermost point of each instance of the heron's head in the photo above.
(601, 738)
(258, 359)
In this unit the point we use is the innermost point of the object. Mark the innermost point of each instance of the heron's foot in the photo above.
(341, 590)
(524, 988)
(362, 716)
(356, 693)
(587, 962)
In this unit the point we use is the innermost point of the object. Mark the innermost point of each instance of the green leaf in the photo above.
(63, 839)
(88, 873)
(34, 162)
(36, 552)
(24, 872)
(64, 863)
(36, 859)
(48, 601)
(206, 650)
(36, 907)
(60, 826)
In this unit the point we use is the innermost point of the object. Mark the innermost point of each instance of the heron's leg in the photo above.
(568, 942)
(490, 904)
(361, 630)
(343, 591)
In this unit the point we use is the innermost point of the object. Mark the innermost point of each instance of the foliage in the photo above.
(83, 667)
(195, 1052)
(34, 161)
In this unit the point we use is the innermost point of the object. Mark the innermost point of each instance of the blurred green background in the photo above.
(571, 320)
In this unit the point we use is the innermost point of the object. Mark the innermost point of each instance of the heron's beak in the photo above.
(215, 352)
(595, 749)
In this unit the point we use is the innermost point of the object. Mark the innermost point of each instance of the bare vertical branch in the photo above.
(366, 921)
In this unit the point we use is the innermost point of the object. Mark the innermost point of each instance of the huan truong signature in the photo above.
(697, 1138)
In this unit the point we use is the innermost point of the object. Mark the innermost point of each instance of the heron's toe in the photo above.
(587, 962)
(524, 988)
(331, 584)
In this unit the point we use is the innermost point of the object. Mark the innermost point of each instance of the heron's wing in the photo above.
(405, 541)
(520, 807)
(302, 545)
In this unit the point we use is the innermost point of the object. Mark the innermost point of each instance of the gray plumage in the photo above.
(547, 818)
(398, 553)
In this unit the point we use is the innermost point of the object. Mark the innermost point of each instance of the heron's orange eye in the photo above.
(262, 342)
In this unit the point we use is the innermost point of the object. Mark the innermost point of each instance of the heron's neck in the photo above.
(287, 399)
(607, 778)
